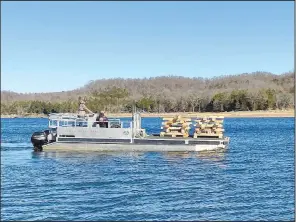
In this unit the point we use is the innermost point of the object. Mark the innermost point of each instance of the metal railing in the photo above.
(63, 116)
(63, 120)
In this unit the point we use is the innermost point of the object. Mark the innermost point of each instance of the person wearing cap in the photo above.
(82, 108)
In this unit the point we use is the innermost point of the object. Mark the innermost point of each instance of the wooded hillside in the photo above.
(254, 91)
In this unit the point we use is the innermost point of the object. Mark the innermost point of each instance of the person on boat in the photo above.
(82, 108)
(102, 120)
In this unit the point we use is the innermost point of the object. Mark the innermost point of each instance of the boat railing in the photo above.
(70, 121)
(58, 116)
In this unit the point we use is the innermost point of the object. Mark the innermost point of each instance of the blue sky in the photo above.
(56, 46)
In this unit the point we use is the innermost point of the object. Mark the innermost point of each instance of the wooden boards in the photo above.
(176, 127)
(205, 127)
(209, 127)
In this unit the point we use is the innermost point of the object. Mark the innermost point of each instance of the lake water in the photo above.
(252, 180)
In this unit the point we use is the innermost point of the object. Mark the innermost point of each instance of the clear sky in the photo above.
(56, 46)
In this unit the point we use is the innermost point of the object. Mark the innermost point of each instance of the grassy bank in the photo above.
(270, 113)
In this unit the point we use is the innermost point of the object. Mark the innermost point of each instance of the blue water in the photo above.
(253, 180)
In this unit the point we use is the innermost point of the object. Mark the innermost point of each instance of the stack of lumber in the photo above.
(176, 127)
(209, 127)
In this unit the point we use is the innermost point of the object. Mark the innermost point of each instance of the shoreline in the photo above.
(239, 114)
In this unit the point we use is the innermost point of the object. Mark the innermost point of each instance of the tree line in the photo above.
(247, 91)
(115, 99)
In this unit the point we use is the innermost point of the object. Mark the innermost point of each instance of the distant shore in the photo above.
(273, 113)
(240, 114)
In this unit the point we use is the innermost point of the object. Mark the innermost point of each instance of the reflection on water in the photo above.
(212, 155)
(84, 154)
(215, 157)
(218, 158)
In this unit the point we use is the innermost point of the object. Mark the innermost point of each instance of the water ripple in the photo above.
(253, 180)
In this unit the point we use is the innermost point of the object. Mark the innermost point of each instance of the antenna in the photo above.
(133, 120)
(133, 111)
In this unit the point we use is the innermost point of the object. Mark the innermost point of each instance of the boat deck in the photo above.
(149, 140)
(157, 136)
(149, 143)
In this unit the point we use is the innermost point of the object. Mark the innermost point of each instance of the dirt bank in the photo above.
(270, 113)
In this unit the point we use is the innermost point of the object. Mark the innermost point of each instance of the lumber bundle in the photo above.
(209, 127)
(176, 127)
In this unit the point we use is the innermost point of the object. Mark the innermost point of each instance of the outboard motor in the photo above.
(38, 139)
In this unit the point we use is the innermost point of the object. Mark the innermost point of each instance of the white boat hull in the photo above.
(62, 146)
